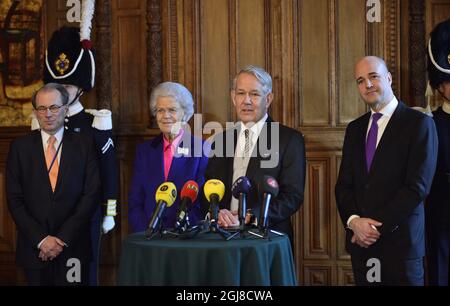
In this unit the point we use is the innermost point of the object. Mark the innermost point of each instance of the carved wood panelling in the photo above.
(392, 26)
(103, 49)
(339, 230)
(345, 275)
(318, 275)
(309, 47)
(317, 209)
(417, 59)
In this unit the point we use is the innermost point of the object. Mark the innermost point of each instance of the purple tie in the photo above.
(371, 142)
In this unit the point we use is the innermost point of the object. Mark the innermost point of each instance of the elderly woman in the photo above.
(168, 157)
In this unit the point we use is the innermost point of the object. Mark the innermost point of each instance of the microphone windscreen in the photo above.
(190, 190)
(166, 192)
(214, 187)
(241, 185)
(269, 185)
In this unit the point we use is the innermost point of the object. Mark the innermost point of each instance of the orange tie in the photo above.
(49, 155)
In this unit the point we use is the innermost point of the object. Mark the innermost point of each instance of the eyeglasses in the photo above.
(53, 108)
(254, 95)
(172, 111)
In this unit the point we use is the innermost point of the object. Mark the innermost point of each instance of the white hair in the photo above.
(176, 91)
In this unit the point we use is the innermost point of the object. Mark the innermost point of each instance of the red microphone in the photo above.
(188, 196)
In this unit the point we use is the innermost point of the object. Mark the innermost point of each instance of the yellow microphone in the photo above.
(214, 191)
(165, 196)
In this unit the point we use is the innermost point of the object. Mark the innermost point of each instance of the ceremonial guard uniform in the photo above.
(437, 207)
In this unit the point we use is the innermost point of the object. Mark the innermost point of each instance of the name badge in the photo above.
(183, 151)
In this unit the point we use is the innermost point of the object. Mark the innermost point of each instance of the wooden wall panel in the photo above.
(9, 273)
(282, 40)
(341, 253)
(7, 228)
(129, 90)
(215, 60)
(318, 275)
(309, 47)
(317, 209)
(250, 41)
(351, 35)
(314, 72)
(345, 276)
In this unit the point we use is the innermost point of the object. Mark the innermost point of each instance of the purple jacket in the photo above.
(148, 174)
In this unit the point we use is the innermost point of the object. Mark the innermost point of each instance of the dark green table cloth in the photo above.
(207, 260)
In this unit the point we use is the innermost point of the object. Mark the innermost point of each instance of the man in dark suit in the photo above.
(257, 146)
(437, 207)
(388, 162)
(53, 188)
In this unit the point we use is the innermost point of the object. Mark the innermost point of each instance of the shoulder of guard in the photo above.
(102, 119)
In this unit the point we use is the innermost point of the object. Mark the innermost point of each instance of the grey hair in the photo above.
(260, 74)
(176, 91)
(63, 93)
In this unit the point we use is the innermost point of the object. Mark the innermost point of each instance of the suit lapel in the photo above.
(361, 144)
(157, 157)
(255, 161)
(67, 150)
(39, 159)
(389, 134)
(229, 159)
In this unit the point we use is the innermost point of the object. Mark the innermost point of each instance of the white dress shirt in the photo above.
(240, 162)
(45, 136)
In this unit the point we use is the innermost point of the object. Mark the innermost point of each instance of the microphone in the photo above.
(188, 196)
(240, 189)
(269, 188)
(165, 196)
(214, 191)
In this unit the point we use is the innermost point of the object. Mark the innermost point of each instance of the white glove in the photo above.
(108, 224)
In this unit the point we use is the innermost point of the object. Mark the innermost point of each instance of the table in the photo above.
(207, 260)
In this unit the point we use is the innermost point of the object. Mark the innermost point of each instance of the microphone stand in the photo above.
(149, 234)
(185, 230)
(263, 233)
(242, 214)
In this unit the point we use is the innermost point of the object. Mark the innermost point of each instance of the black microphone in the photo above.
(269, 188)
(240, 189)
(188, 196)
(165, 196)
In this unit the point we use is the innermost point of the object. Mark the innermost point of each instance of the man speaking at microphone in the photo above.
(258, 146)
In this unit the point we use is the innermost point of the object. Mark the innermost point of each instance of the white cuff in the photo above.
(350, 219)
(40, 243)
